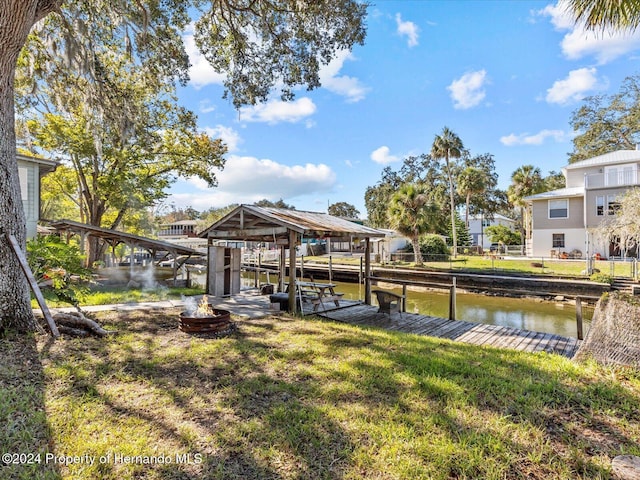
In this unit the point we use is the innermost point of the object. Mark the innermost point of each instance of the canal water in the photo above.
(523, 313)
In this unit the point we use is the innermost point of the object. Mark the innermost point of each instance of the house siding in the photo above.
(29, 179)
(541, 220)
(542, 241)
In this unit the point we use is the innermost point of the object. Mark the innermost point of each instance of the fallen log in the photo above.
(78, 321)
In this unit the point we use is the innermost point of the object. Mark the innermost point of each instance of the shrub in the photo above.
(433, 247)
(601, 278)
(60, 265)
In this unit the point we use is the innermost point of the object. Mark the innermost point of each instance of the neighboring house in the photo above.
(564, 220)
(184, 233)
(478, 224)
(31, 170)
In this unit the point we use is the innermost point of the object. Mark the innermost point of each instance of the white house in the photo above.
(478, 224)
(30, 171)
(564, 220)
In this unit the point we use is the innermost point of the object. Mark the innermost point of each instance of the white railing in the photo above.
(612, 179)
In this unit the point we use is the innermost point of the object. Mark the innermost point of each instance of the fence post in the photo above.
(330, 269)
(579, 317)
(452, 300)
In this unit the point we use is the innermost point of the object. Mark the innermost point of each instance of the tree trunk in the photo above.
(453, 211)
(416, 251)
(18, 16)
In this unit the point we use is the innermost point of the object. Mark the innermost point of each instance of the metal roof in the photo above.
(253, 223)
(114, 237)
(560, 193)
(612, 158)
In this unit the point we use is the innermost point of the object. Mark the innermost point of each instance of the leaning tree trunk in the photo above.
(17, 18)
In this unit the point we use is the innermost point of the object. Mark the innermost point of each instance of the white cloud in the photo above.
(408, 29)
(535, 139)
(383, 156)
(276, 111)
(249, 179)
(201, 72)
(575, 87)
(579, 42)
(468, 91)
(228, 135)
(205, 106)
(349, 87)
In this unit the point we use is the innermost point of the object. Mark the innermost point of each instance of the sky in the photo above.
(504, 75)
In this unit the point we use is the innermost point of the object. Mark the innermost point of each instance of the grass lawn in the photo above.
(291, 398)
(120, 294)
(486, 264)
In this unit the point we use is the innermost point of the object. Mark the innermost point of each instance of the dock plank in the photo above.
(457, 330)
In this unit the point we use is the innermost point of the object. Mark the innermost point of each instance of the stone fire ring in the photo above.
(218, 322)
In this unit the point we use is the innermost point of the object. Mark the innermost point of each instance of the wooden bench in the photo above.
(389, 302)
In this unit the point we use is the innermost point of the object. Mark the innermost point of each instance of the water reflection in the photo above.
(524, 313)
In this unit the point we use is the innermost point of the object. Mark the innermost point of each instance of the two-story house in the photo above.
(478, 223)
(564, 220)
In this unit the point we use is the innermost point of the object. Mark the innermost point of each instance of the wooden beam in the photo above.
(55, 333)
(248, 233)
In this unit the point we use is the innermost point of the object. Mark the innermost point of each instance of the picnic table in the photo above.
(318, 293)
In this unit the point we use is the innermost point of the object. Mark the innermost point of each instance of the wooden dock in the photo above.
(456, 330)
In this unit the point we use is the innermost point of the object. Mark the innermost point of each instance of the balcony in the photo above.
(613, 179)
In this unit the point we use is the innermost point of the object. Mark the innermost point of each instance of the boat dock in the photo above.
(357, 313)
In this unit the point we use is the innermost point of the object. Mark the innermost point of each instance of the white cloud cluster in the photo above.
(575, 87)
(228, 135)
(248, 179)
(468, 91)
(579, 42)
(407, 29)
(535, 139)
(277, 111)
(344, 85)
(201, 72)
(383, 156)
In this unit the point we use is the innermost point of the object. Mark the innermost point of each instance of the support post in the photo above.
(292, 271)
(282, 269)
(22, 259)
(404, 297)
(367, 271)
(452, 301)
(579, 318)
(330, 269)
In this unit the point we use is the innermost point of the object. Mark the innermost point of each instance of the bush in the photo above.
(433, 247)
(59, 264)
(601, 278)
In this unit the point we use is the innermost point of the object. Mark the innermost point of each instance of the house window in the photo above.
(559, 208)
(486, 223)
(612, 204)
(558, 240)
(600, 205)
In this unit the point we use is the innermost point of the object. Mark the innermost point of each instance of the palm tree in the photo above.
(471, 181)
(448, 145)
(606, 14)
(410, 213)
(525, 181)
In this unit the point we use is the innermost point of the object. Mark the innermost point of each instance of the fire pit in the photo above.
(205, 319)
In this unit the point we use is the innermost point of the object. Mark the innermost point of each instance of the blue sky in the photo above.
(504, 75)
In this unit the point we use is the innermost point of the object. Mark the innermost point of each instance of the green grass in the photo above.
(285, 398)
(120, 294)
(486, 264)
